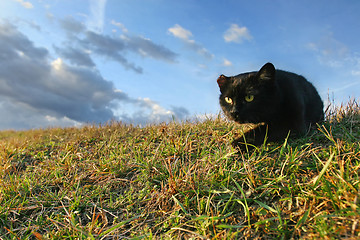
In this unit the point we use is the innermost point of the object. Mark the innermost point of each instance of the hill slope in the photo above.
(180, 181)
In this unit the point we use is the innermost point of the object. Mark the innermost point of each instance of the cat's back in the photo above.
(299, 92)
(293, 83)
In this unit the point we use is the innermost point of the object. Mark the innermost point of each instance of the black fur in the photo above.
(283, 101)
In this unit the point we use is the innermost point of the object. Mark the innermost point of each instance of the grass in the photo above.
(180, 181)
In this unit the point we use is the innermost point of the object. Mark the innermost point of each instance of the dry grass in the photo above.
(179, 181)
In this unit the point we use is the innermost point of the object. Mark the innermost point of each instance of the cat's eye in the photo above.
(249, 98)
(228, 100)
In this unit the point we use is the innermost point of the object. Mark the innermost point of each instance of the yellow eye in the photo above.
(228, 100)
(249, 98)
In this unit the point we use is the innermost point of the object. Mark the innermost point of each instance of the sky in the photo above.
(74, 62)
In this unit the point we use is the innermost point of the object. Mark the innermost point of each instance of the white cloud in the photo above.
(57, 64)
(227, 63)
(120, 26)
(149, 111)
(180, 32)
(355, 72)
(237, 34)
(97, 13)
(184, 34)
(25, 4)
(330, 51)
(338, 57)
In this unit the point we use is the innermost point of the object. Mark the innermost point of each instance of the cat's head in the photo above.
(249, 97)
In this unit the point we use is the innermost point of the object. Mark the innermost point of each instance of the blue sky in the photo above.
(70, 62)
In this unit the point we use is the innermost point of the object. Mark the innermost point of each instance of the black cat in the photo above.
(282, 101)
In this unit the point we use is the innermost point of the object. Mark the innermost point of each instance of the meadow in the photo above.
(181, 181)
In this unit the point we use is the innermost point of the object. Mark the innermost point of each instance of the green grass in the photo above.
(180, 181)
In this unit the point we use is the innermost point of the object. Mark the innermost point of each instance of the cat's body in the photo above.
(283, 101)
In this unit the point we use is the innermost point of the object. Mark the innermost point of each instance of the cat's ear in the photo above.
(223, 82)
(267, 73)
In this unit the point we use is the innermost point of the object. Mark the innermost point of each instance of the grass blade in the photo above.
(180, 204)
(245, 205)
(322, 172)
(266, 206)
(113, 228)
(303, 219)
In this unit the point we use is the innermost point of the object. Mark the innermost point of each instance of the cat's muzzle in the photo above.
(235, 114)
